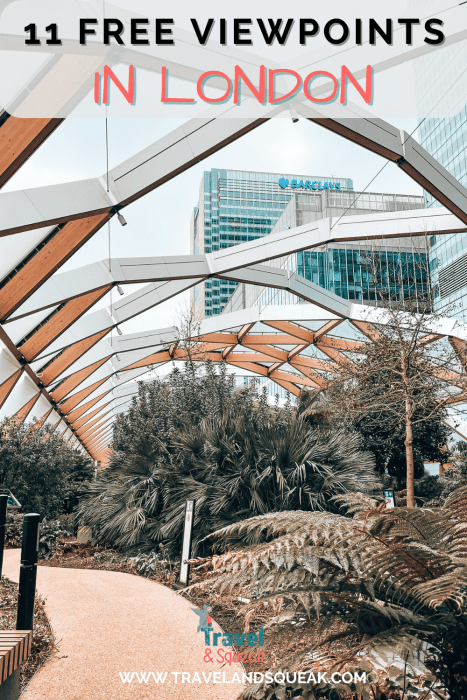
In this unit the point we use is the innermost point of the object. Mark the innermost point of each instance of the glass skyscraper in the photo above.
(237, 206)
(343, 268)
(445, 140)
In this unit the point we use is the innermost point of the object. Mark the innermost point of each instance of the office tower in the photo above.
(342, 268)
(237, 206)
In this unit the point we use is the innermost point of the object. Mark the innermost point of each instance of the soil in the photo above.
(43, 643)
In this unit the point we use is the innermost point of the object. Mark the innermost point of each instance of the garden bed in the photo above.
(43, 641)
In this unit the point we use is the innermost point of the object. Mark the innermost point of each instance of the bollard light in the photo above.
(28, 572)
(3, 507)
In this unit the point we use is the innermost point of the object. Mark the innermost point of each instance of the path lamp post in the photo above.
(28, 572)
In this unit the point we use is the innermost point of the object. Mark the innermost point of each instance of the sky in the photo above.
(159, 223)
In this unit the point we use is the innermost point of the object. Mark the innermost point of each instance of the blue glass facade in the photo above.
(239, 206)
(446, 141)
(345, 272)
(343, 268)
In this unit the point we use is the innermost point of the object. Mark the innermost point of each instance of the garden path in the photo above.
(106, 622)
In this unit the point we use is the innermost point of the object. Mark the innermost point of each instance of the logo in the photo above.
(308, 185)
(225, 639)
(205, 622)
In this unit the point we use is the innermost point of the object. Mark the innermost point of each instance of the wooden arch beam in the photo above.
(104, 434)
(268, 339)
(460, 348)
(76, 399)
(292, 329)
(76, 379)
(59, 322)
(312, 363)
(97, 450)
(314, 376)
(288, 386)
(21, 415)
(337, 356)
(95, 425)
(94, 441)
(273, 353)
(341, 344)
(69, 356)
(102, 444)
(85, 407)
(38, 424)
(19, 139)
(367, 329)
(327, 328)
(8, 385)
(88, 416)
(46, 261)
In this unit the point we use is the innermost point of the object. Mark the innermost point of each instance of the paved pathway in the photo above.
(105, 623)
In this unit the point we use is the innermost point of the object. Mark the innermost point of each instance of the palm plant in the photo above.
(235, 466)
(398, 578)
(119, 504)
(317, 407)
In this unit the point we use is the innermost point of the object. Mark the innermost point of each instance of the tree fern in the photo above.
(398, 577)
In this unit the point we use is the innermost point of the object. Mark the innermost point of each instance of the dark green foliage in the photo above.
(317, 408)
(454, 478)
(13, 529)
(387, 444)
(163, 408)
(382, 436)
(227, 449)
(50, 531)
(429, 487)
(434, 489)
(39, 468)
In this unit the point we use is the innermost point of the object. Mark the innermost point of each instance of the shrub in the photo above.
(49, 532)
(13, 529)
(39, 468)
(234, 466)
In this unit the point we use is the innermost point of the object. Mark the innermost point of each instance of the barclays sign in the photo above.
(308, 185)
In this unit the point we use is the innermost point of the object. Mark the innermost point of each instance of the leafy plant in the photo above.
(39, 468)
(241, 459)
(150, 564)
(397, 577)
(49, 533)
(183, 398)
(13, 529)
